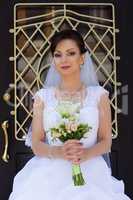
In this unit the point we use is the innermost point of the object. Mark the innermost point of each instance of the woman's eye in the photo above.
(57, 55)
(71, 53)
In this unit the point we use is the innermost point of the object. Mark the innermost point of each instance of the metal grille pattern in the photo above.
(32, 56)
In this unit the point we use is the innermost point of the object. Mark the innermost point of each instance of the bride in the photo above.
(48, 175)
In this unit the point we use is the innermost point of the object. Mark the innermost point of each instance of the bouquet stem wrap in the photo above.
(77, 175)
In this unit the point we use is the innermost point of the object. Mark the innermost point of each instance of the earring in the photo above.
(81, 66)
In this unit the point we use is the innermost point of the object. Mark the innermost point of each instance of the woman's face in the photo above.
(67, 57)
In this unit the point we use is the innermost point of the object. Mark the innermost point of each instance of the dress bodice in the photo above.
(89, 113)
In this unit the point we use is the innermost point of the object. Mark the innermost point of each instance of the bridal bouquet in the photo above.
(70, 127)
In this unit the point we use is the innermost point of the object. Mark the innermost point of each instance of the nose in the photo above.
(63, 58)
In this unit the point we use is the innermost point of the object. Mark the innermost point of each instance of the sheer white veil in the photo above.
(87, 74)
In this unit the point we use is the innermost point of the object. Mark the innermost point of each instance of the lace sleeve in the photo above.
(101, 91)
(41, 93)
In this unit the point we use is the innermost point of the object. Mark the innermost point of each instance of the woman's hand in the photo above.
(73, 151)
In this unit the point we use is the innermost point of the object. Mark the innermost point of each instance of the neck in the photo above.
(71, 83)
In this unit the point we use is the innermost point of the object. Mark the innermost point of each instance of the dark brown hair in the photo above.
(68, 34)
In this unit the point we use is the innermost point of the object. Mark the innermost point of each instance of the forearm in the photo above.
(98, 149)
(44, 150)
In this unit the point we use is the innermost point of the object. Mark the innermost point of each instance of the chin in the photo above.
(67, 72)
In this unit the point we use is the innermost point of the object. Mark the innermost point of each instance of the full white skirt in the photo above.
(51, 179)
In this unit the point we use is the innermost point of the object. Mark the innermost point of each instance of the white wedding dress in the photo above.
(51, 179)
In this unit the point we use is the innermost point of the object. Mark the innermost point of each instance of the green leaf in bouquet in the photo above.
(65, 115)
(63, 138)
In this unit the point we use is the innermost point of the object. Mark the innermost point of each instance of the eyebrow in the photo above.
(66, 50)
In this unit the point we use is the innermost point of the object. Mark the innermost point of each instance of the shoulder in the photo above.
(100, 90)
(100, 93)
(42, 93)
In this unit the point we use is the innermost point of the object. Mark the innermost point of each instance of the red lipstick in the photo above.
(65, 66)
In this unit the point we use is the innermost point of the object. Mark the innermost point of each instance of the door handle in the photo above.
(5, 156)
